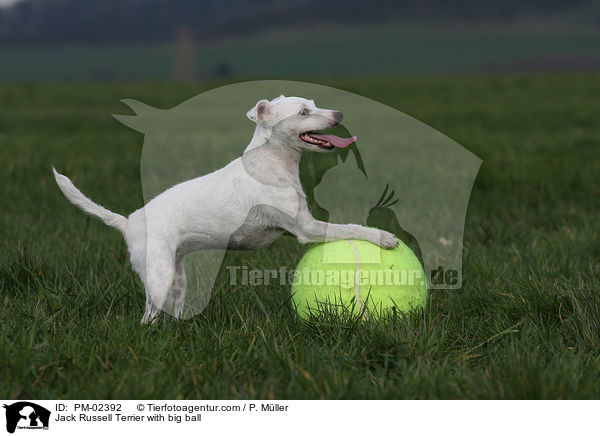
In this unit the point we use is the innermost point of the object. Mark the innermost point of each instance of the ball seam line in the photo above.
(357, 278)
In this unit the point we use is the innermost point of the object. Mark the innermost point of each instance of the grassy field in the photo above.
(526, 323)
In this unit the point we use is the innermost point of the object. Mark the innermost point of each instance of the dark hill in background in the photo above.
(155, 21)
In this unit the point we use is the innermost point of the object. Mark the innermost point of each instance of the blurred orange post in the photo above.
(185, 55)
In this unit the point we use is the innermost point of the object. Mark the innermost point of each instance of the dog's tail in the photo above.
(75, 196)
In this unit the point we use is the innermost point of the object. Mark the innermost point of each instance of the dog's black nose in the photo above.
(337, 116)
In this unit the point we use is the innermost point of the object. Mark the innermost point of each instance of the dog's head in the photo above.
(296, 122)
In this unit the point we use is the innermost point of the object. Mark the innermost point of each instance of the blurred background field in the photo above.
(516, 83)
(153, 39)
(320, 51)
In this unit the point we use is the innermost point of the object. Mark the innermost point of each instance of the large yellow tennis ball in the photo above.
(358, 277)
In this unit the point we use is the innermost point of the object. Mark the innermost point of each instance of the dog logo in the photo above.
(26, 415)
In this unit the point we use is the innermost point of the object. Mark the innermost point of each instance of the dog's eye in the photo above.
(304, 112)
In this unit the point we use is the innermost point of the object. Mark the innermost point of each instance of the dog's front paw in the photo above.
(387, 240)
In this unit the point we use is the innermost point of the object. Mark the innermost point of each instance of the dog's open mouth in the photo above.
(326, 140)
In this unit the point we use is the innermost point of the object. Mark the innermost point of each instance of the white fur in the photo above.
(244, 205)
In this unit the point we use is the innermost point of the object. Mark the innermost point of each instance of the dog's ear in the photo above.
(259, 112)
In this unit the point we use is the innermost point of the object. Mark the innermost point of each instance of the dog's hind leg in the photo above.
(151, 312)
(176, 297)
(159, 274)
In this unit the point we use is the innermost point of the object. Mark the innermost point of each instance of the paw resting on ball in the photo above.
(387, 240)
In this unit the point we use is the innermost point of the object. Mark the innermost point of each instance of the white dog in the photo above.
(245, 205)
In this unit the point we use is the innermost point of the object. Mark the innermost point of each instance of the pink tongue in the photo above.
(334, 140)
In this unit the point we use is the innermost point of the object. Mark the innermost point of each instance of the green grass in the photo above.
(526, 323)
